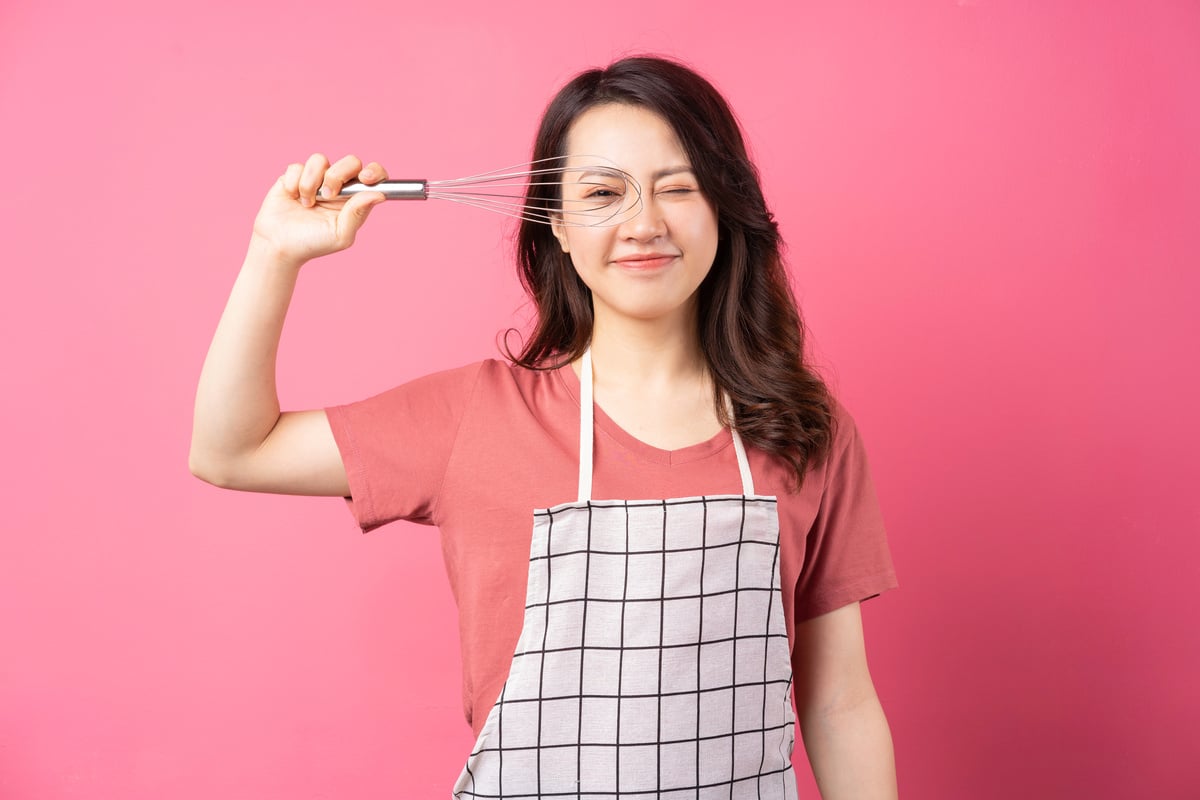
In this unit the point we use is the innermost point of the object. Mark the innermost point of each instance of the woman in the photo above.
(704, 525)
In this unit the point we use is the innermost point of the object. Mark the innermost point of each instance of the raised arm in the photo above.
(240, 440)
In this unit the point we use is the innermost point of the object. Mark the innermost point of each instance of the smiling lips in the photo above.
(643, 262)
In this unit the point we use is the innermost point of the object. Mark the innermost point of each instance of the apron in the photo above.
(653, 661)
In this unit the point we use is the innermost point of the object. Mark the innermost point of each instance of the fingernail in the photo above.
(325, 193)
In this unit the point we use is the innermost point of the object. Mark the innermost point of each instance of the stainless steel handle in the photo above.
(392, 190)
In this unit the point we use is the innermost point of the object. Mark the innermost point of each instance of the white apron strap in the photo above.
(586, 428)
(740, 449)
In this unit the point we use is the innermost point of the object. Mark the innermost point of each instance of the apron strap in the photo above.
(586, 435)
(740, 449)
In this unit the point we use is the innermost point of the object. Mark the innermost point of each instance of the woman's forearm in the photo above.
(236, 400)
(851, 754)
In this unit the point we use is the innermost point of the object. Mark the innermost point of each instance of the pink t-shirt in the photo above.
(475, 450)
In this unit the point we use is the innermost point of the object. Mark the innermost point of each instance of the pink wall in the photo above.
(991, 210)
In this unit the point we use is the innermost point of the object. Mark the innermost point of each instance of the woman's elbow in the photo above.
(210, 470)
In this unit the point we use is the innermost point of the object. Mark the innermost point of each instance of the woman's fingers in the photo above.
(290, 179)
(343, 170)
(354, 213)
(373, 173)
(346, 169)
(311, 178)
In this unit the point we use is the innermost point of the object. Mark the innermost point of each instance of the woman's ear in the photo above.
(560, 232)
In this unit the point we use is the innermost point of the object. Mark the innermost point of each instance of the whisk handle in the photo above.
(392, 190)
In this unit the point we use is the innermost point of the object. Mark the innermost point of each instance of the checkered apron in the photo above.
(653, 661)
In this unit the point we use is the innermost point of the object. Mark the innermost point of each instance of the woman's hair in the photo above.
(749, 328)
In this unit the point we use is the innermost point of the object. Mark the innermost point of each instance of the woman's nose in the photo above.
(647, 224)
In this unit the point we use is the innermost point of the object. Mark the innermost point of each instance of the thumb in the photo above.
(355, 212)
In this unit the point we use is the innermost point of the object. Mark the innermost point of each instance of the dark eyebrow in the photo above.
(662, 173)
(613, 172)
(607, 172)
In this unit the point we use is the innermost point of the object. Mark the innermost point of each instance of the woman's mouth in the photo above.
(644, 262)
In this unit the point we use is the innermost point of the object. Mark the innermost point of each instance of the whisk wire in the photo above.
(601, 195)
(515, 208)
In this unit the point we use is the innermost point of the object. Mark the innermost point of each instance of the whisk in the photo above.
(585, 193)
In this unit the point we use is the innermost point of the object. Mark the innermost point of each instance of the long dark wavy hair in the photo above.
(750, 329)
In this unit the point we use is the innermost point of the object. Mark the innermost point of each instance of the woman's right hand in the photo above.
(303, 217)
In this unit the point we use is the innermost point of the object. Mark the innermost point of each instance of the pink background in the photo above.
(991, 210)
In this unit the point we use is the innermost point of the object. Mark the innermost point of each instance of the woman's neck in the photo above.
(652, 380)
(651, 355)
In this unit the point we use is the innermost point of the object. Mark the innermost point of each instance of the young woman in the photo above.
(657, 522)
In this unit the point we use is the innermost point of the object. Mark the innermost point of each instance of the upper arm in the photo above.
(829, 662)
(389, 453)
(298, 456)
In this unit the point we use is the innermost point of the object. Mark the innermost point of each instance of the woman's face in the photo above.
(649, 266)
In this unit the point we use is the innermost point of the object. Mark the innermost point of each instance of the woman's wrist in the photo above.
(263, 253)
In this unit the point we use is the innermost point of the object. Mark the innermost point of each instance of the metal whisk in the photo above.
(587, 192)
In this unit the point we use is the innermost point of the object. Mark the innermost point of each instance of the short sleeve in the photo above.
(396, 446)
(846, 558)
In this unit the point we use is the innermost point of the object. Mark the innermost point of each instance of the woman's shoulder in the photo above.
(486, 370)
(499, 371)
(846, 447)
(844, 428)
(485, 378)
(490, 389)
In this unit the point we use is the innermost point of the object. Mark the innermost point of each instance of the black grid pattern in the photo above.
(653, 661)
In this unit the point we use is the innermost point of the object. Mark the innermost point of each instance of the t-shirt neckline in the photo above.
(604, 423)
